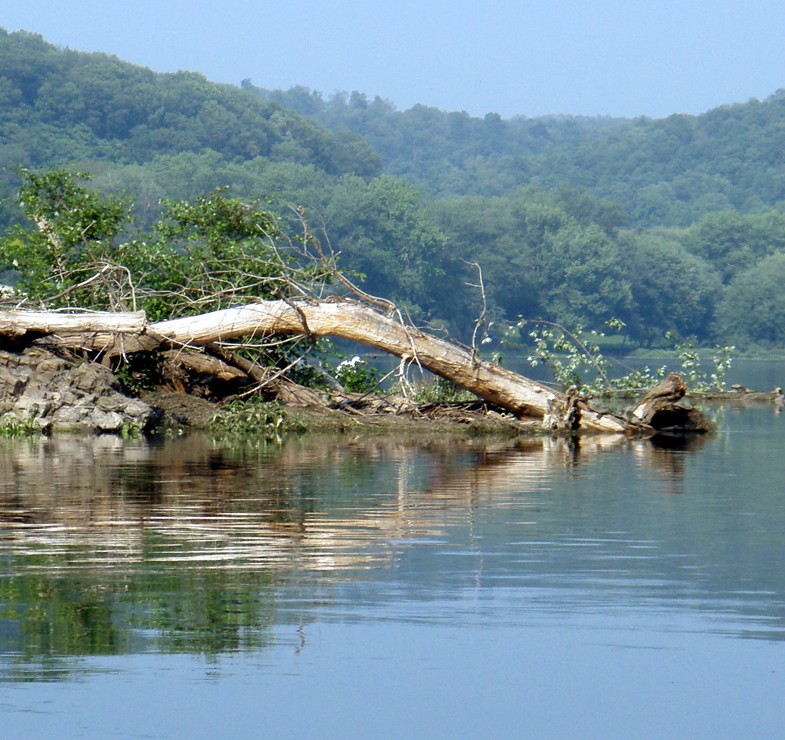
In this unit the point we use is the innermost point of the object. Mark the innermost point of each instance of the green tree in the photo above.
(205, 254)
(384, 234)
(537, 260)
(483, 231)
(752, 309)
(582, 277)
(734, 242)
(73, 239)
(672, 290)
(201, 254)
(578, 272)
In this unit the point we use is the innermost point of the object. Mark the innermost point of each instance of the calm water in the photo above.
(386, 587)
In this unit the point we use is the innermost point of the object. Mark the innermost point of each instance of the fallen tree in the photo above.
(360, 323)
(108, 334)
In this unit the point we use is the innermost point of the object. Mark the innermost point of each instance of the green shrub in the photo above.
(356, 376)
(253, 416)
(440, 390)
(12, 426)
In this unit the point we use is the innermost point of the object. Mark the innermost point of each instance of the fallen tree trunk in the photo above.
(359, 323)
(19, 323)
(339, 318)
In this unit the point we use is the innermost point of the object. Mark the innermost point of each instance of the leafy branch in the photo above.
(575, 355)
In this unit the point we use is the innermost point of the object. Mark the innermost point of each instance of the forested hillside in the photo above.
(667, 172)
(671, 225)
(61, 107)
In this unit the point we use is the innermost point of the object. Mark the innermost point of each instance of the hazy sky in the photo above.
(530, 57)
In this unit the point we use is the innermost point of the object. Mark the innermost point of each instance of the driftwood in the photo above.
(359, 323)
(122, 332)
(664, 409)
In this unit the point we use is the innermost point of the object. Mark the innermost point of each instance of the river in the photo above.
(362, 586)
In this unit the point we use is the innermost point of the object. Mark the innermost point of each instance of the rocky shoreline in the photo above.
(56, 394)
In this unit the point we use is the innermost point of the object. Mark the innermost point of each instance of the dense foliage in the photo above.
(84, 251)
(668, 172)
(59, 107)
(671, 225)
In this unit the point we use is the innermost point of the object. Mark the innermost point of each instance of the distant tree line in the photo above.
(663, 172)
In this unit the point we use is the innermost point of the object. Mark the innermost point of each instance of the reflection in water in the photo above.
(666, 456)
(99, 502)
(112, 547)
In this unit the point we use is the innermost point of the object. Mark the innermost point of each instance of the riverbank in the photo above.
(349, 413)
(45, 391)
(48, 392)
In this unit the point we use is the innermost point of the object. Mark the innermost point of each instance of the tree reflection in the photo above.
(111, 547)
(668, 455)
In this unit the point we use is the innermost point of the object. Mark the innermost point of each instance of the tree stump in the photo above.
(665, 410)
(564, 414)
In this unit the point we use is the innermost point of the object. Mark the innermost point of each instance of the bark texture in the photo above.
(664, 409)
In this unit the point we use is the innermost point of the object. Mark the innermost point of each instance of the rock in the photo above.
(60, 394)
(104, 421)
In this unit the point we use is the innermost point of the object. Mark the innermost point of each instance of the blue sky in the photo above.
(531, 57)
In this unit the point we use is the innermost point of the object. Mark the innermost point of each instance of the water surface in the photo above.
(391, 587)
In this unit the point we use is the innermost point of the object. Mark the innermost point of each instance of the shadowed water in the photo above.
(364, 586)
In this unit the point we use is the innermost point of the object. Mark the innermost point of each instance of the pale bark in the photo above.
(340, 318)
(18, 323)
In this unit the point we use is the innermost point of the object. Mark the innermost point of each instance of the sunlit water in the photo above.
(387, 587)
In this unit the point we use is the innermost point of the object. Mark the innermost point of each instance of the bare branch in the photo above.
(480, 322)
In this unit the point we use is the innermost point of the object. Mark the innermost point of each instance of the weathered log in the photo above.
(665, 410)
(19, 323)
(564, 414)
(201, 363)
(358, 322)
